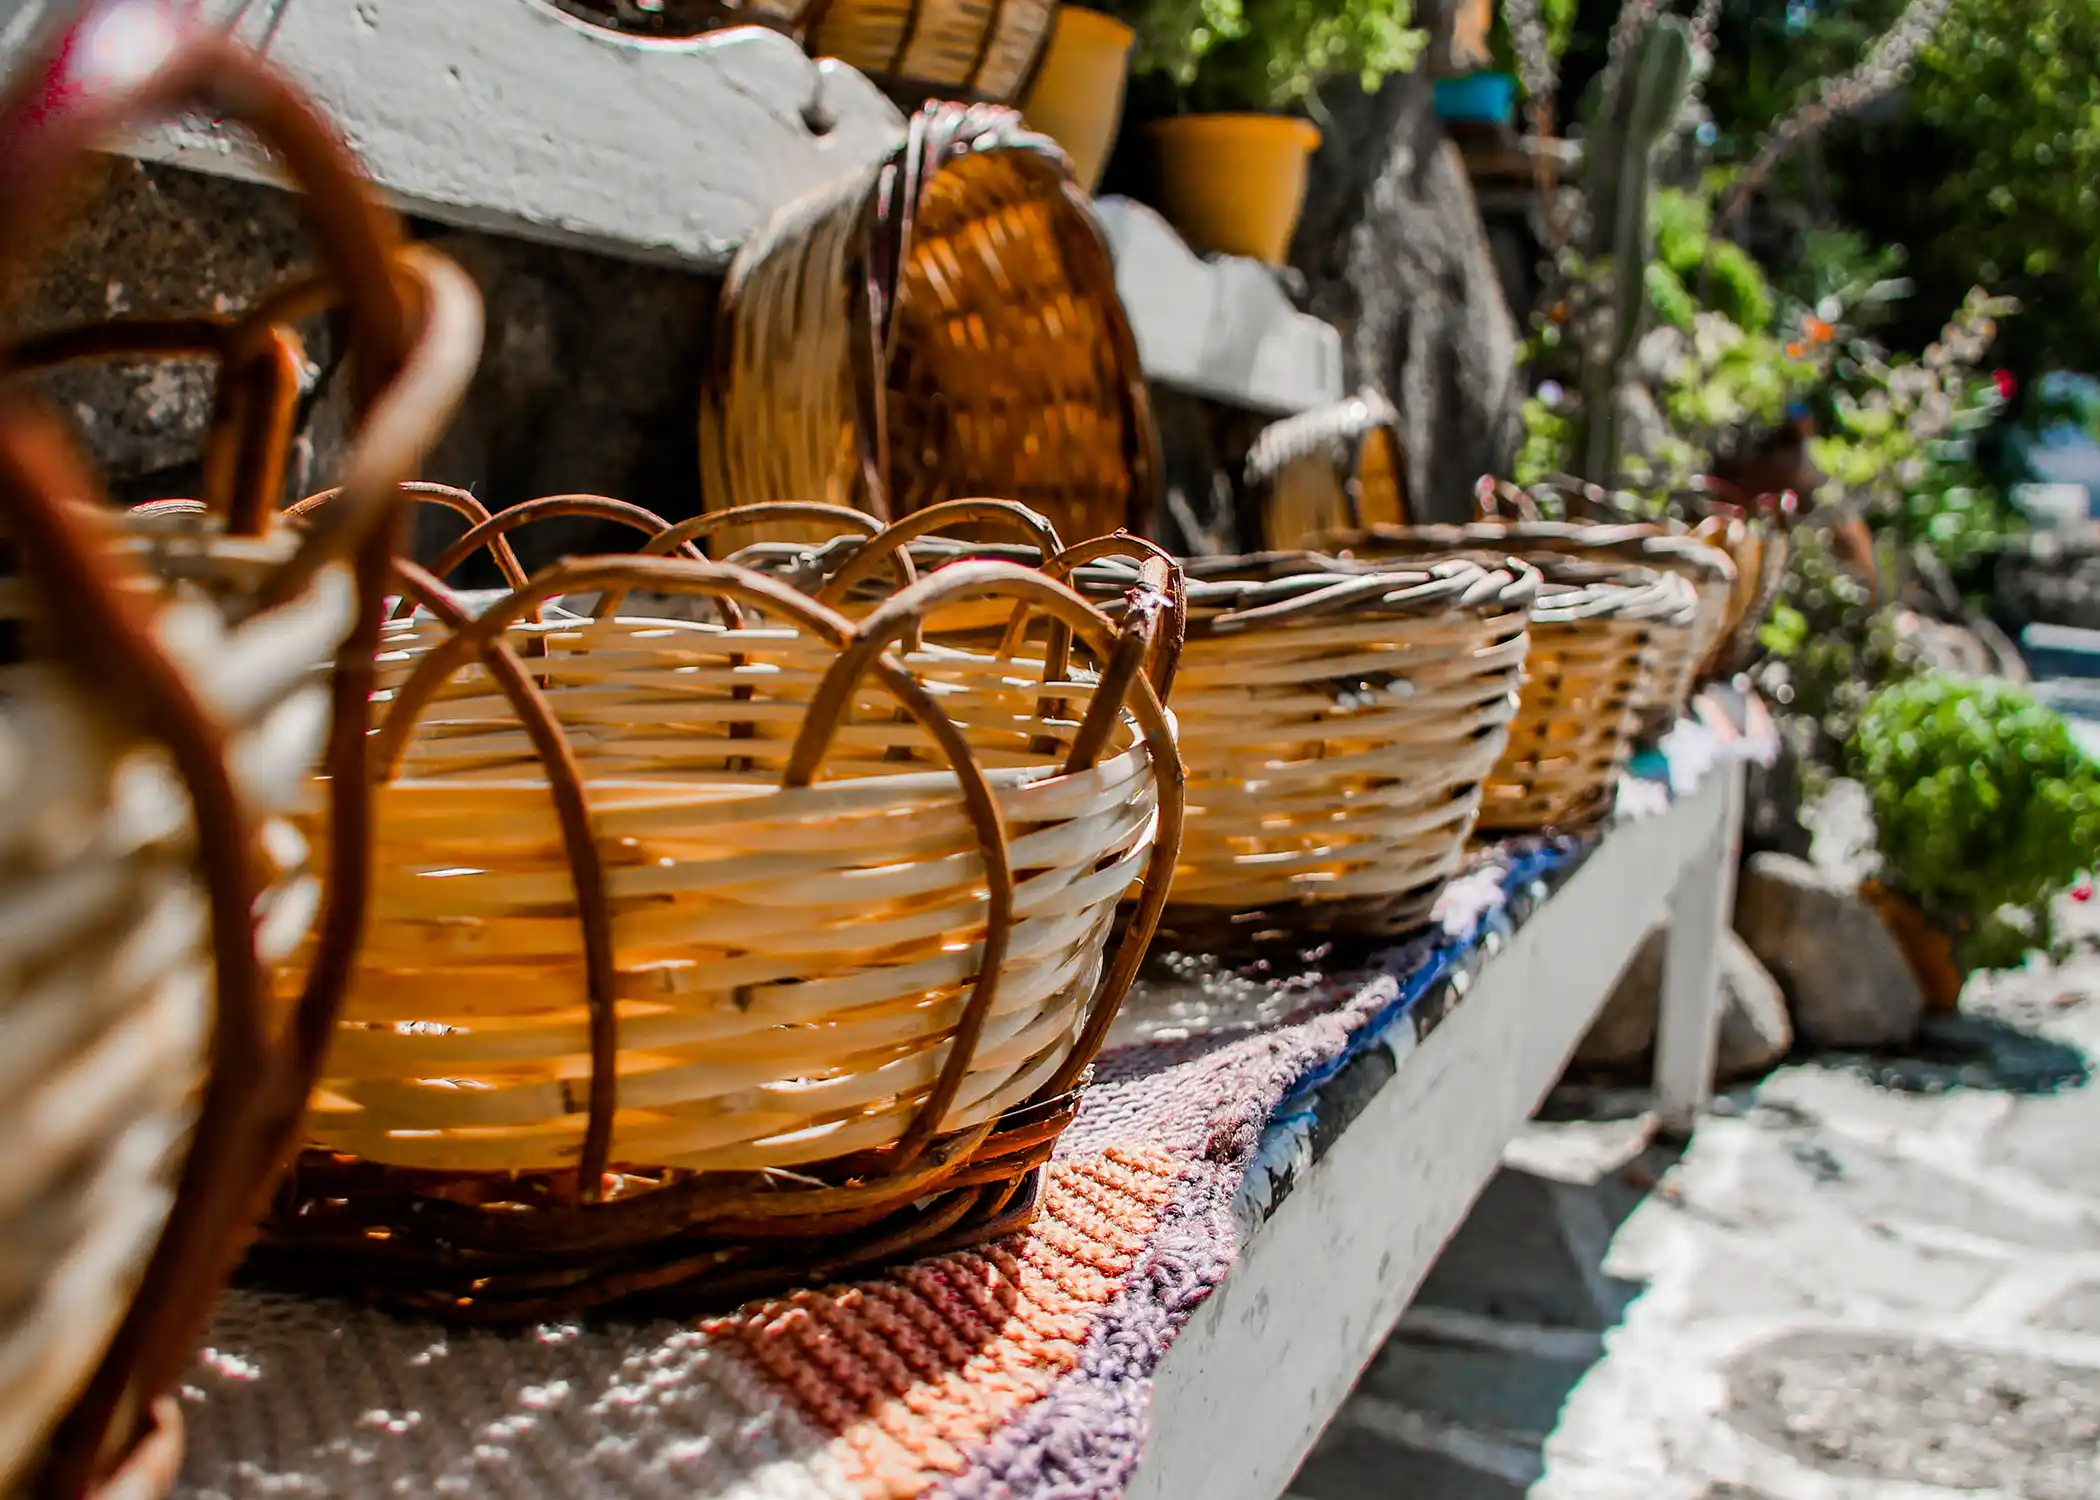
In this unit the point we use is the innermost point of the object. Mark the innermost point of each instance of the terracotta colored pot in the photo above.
(1926, 945)
(1234, 184)
(1078, 96)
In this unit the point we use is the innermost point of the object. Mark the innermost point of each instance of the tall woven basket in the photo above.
(940, 326)
(1600, 635)
(173, 675)
(1328, 471)
(726, 948)
(1337, 723)
(975, 51)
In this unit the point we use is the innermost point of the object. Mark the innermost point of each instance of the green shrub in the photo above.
(1229, 55)
(1982, 801)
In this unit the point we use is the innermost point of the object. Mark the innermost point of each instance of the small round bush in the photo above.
(1982, 799)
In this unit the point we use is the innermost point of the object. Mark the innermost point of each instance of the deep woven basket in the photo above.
(1337, 725)
(1597, 635)
(720, 950)
(940, 326)
(974, 51)
(1328, 471)
(173, 676)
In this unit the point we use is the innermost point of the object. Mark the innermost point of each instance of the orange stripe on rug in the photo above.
(912, 1370)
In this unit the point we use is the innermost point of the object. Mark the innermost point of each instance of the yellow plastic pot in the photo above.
(1234, 184)
(1078, 96)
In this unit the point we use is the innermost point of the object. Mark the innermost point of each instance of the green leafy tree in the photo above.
(1267, 54)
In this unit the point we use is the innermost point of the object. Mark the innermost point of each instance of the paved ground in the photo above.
(1866, 1279)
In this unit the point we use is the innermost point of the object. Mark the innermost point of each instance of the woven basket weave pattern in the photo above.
(981, 51)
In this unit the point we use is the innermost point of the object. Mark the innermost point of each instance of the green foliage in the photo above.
(1558, 17)
(1982, 800)
(1831, 650)
(1901, 433)
(1224, 55)
(1684, 244)
(2008, 85)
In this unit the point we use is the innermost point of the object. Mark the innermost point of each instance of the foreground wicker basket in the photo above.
(1598, 632)
(941, 325)
(1337, 725)
(976, 51)
(167, 693)
(1328, 471)
(713, 955)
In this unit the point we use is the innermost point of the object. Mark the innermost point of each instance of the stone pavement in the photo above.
(1865, 1279)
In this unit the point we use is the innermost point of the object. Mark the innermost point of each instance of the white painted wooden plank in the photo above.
(1219, 328)
(1688, 1028)
(510, 116)
(1268, 1359)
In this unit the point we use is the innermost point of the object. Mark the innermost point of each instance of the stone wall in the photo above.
(589, 379)
(1394, 253)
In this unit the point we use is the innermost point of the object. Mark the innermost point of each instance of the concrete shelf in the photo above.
(1219, 328)
(511, 117)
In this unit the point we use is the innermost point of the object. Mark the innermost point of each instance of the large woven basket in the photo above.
(942, 325)
(1327, 471)
(975, 51)
(709, 955)
(1597, 646)
(168, 689)
(1337, 725)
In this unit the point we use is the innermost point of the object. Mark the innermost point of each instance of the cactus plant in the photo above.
(1632, 120)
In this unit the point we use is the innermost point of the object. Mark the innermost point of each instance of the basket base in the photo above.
(403, 1240)
(1231, 929)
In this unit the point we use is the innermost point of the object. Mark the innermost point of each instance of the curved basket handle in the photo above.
(1033, 528)
(1160, 576)
(441, 497)
(689, 533)
(76, 94)
(255, 402)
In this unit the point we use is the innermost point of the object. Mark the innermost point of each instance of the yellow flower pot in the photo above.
(1234, 184)
(1078, 96)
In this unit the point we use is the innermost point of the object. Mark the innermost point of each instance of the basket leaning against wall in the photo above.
(716, 950)
(1337, 724)
(172, 676)
(941, 325)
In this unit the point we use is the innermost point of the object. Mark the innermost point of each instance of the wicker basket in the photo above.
(167, 694)
(1329, 471)
(1336, 724)
(1681, 655)
(647, 1008)
(1754, 539)
(975, 51)
(940, 326)
(1597, 634)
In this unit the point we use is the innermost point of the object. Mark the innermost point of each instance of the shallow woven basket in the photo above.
(975, 51)
(1336, 725)
(167, 693)
(714, 955)
(941, 325)
(1593, 671)
(1327, 471)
